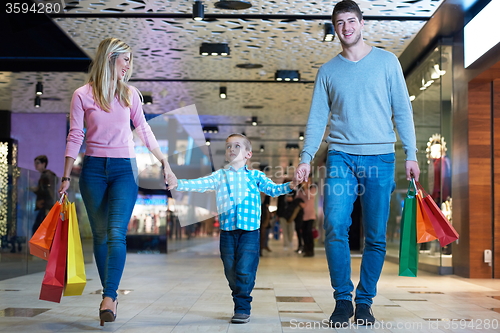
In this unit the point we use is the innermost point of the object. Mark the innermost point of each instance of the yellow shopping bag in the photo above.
(75, 276)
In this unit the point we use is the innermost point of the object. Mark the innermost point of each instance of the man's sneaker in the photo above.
(364, 315)
(340, 316)
(240, 318)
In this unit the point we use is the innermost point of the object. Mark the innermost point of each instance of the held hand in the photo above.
(293, 184)
(171, 181)
(301, 173)
(412, 170)
(169, 176)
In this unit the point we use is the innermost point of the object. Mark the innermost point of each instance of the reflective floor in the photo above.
(185, 291)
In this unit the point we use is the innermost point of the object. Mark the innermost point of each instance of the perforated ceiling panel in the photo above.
(168, 49)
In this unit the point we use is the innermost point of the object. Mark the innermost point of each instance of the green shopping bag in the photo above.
(408, 247)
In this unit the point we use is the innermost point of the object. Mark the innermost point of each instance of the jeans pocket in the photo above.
(387, 158)
(336, 166)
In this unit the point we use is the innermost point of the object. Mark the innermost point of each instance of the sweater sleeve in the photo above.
(142, 127)
(76, 123)
(318, 118)
(402, 111)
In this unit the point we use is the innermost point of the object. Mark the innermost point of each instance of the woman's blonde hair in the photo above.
(102, 75)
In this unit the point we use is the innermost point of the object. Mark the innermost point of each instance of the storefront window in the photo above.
(430, 88)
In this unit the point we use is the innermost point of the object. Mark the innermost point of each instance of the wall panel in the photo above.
(480, 177)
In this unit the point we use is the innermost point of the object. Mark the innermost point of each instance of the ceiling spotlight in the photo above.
(214, 49)
(287, 75)
(232, 4)
(147, 99)
(254, 121)
(207, 142)
(253, 106)
(210, 129)
(198, 11)
(261, 148)
(249, 66)
(301, 136)
(38, 101)
(329, 32)
(223, 92)
(292, 146)
(39, 88)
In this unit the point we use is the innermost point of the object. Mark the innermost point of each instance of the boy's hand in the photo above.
(294, 183)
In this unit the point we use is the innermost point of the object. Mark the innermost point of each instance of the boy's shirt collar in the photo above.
(230, 167)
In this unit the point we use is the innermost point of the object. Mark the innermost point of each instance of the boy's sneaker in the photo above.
(364, 315)
(240, 318)
(340, 316)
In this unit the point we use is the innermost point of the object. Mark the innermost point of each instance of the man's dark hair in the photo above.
(43, 159)
(346, 6)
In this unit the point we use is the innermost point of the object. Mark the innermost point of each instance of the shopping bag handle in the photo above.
(63, 195)
(419, 187)
(412, 189)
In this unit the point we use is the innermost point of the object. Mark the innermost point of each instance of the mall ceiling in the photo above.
(275, 35)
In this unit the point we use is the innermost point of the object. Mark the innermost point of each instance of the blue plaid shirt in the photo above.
(237, 195)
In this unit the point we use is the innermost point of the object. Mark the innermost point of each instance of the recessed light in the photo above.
(253, 106)
(249, 66)
(232, 4)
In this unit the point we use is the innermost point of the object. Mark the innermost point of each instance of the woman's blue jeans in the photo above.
(372, 178)
(239, 251)
(109, 191)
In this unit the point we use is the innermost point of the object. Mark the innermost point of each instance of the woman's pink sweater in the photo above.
(109, 134)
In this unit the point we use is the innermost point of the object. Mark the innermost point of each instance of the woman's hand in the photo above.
(64, 186)
(171, 181)
(169, 176)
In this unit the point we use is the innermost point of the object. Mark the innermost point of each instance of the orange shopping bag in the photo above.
(425, 230)
(41, 241)
(445, 232)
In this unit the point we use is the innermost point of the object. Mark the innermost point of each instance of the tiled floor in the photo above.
(185, 291)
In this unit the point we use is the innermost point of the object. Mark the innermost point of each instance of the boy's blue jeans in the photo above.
(109, 191)
(372, 178)
(239, 251)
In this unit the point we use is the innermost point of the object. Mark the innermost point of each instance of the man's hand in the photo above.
(302, 173)
(412, 170)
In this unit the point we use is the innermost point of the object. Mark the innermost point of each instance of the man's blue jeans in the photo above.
(372, 178)
(109, 191)
(239, 251)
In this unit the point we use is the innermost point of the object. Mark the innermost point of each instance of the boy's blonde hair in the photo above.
(246, 142)
(102, 76)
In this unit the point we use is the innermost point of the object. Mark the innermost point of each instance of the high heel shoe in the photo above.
(107, 315)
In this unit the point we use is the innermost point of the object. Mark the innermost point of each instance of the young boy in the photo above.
(238, 204)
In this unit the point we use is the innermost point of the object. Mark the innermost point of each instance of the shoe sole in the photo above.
(240, 321)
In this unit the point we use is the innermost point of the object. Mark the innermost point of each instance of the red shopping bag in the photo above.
(42, 239)
(55, 272)
(445, 232)
(425, 230)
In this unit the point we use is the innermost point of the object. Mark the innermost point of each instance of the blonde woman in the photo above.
(107, 104)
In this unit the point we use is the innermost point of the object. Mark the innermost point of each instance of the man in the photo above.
(45, 191)
(359, 92)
